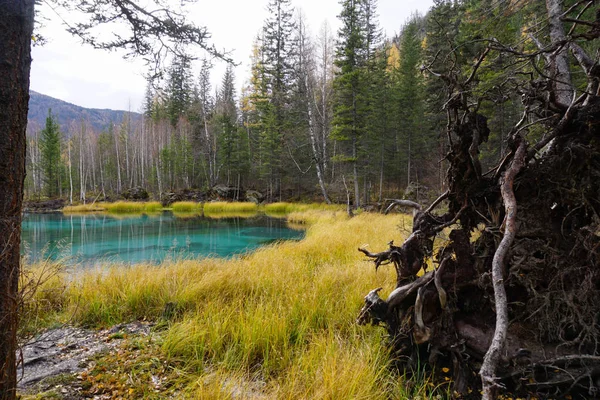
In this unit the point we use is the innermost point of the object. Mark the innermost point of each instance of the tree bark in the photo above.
(559, 60)
(16, 28)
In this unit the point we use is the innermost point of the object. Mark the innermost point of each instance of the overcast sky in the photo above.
(66, 70)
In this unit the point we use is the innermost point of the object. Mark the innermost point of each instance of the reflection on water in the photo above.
(99, 237)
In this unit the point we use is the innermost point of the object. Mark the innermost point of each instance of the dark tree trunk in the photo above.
(16, 28)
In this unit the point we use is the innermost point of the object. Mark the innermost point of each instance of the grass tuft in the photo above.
(287, 208)
(82, 208)
(230, 208)
(186, 206)
(119, 207)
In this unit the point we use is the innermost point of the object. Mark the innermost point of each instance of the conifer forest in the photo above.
(319, 117)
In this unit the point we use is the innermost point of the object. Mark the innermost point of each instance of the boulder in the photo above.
(224, 192)
(254, 196)
(44, 206)
(183, 195)
(136, 193)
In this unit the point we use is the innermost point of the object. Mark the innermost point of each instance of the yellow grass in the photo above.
(119, 207)
(186, 206)
(82, 208)
(223, 207)
(276, 324)
(287, 208)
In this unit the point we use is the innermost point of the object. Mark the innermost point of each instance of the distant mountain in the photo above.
(65, 113)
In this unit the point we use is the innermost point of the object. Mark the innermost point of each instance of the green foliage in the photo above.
(178, 88)
(52, 166)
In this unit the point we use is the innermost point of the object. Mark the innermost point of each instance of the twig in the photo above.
(451, 222)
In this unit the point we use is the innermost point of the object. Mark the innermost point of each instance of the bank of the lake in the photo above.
(276, 324)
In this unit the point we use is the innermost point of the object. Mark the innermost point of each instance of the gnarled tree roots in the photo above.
(542, 335)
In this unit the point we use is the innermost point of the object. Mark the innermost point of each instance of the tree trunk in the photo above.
(119, 182)
(559, 60)
(16, 28)
(355, 176)
(82, 176)
(313, 142)
(70, 174)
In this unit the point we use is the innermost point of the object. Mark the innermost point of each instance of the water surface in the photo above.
(92, 238)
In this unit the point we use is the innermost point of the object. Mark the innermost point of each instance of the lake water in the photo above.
(98, 237)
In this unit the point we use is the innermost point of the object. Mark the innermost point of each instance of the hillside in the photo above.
(65, 113)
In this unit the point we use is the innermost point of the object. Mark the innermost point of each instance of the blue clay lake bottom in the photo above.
(94, 238)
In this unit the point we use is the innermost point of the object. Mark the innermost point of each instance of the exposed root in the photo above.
(546, 257)
(492, 356)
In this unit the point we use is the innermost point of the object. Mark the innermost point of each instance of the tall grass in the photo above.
(82, 208)
(153, 206)
(186, 206)
(42, 288)
(230, 208)
(278, 323)
(119, 207)
(287, 208)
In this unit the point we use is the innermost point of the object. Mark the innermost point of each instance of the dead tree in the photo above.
(512, 304)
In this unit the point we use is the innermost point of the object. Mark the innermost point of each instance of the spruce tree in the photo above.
(179, 88)
(50, 152)
(278, 49)
(411, 133)
(350, 100)
(226, 127)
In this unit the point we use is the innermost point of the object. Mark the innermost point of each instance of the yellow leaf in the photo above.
(445, 370)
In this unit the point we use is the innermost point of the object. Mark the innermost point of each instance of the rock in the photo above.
(225, 192)
(58, 351)
(183, 195)
(68, 350)
(44, 206)
(254, 196)
(135, 193)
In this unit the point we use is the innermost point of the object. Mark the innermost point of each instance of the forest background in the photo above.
(352, 114)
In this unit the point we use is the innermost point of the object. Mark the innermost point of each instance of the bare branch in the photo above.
(437, 201)
(402, 203)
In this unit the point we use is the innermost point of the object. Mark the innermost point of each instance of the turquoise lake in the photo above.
(94, 238)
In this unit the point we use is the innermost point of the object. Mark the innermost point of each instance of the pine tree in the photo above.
(228, 132)
(279, 48)
(50, 144)
(351, 86)
(179, 88)
(277, 53)
(411, 132)
(442, 25)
